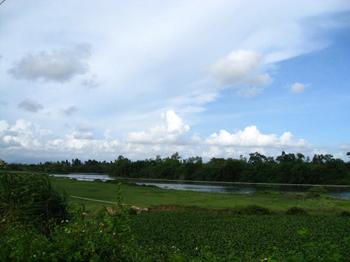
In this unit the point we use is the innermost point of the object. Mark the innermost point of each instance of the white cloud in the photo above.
(236, 66)
(298, 88)
(75, 144)
(21, 135)
(242, 69)
(25, 140)
(252, 137)
(58, 65)
(30, 105)
(170, 131)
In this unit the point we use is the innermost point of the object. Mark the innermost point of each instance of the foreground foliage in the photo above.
(249, 233)
(35, 226)
(84, 238)
(30, 199)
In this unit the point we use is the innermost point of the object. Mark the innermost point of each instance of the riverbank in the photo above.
(147, 196)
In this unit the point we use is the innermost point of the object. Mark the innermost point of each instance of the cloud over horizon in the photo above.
(171, 135)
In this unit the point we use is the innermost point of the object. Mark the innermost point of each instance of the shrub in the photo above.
(30, 199)
(296, 211)
(105, 236)
(85, 237)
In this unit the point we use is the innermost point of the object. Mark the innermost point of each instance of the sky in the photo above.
(98, 79)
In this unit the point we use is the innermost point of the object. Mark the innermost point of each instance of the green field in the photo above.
(178, 226)
(146, 196)
(205, 226)
(223, 237)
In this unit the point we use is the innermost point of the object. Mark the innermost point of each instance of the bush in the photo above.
(30, 199)
(105, 236)
(296, 211)
(102, 237)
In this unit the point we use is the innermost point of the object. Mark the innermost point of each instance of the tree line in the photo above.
(285, 168)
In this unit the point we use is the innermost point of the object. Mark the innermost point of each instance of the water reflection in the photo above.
(85, 176)
(201, 188)
(338, 192)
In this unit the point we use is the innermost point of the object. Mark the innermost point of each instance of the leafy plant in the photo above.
(30, 199)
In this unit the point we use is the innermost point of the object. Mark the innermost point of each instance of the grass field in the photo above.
(199, 229)
(144, 196)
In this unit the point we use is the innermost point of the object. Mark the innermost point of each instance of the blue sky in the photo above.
(208, 78)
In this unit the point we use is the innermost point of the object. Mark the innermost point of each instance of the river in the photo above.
(342, 192)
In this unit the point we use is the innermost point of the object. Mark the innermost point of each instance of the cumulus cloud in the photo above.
(30, 105)
(24, 138)
(297, 88)
(170, 131)
(68, 111)
(57, 65)
(22, 135)
(252, 137)
(243, 70)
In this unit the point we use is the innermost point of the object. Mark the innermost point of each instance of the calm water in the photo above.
(343, 193)
(85, 176)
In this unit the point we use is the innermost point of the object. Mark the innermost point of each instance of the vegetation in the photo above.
(286, 168)
(30, 199)
(146, 196)
(35, 226)
(243, 232)
(255, 237)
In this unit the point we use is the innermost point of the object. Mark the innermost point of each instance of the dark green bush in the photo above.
(35, 226)
(296, 211)
(30, 199)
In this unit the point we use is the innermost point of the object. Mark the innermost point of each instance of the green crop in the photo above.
(244, 237)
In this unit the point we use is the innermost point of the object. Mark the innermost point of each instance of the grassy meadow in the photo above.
(222, 227)
(147, 196)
